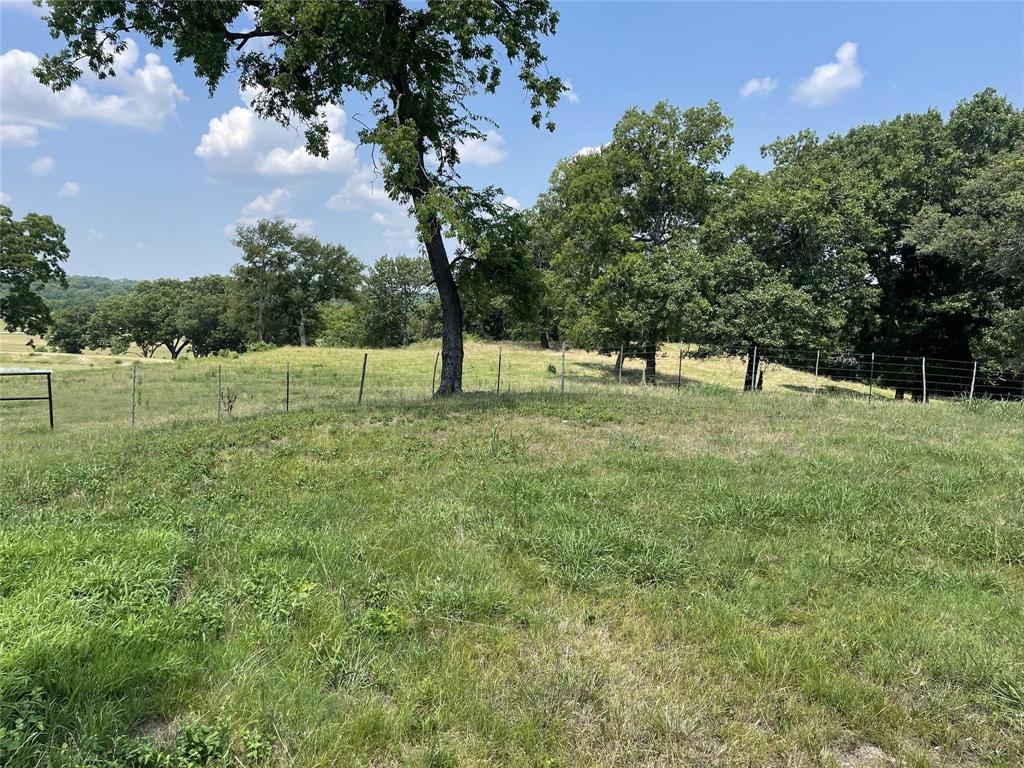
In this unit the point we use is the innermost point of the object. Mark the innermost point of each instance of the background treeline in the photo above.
(901, 238)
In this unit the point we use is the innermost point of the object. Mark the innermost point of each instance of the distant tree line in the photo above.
(904, 237)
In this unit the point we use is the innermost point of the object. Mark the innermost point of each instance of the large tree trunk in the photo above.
(302, 327)
(651, 364)
(451, 313)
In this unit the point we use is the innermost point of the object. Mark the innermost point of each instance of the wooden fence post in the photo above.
(817, 360)
(362, 379)
(622, 360)
(287, 386)
(133, 396)
(753, 371)
(433, 379)
(679, 375)
(561, 383)
(498, 390)
(218, 391)
(974, 377)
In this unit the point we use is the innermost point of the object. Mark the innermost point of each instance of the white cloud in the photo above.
(829, 82)
(5, 199)
(584, 151)
(485, 151)
(139, 97)
(511, 202)
(70, 189)
(240, 143)
(41, 166)
(759, 85)
(18, 135)
(269, 204)
(361, 189)
(571, 96)
(94, 236)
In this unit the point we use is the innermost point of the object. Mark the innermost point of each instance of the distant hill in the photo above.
(84, 290)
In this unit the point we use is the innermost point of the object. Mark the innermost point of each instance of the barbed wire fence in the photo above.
(152, 394)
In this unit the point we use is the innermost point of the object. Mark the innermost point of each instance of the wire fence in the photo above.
(139, 396)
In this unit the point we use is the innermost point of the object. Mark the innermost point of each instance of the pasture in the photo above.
(618, 576)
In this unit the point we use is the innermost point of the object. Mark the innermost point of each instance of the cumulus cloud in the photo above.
(511, 202)
(829, 82)
(360, 190)
(139, 96)
(759, 85)
(240, 143)
(486, 151)
(5, 199)
(584, 151)
(70, 189)
(18, 135)
(42, 166)
(268, 204)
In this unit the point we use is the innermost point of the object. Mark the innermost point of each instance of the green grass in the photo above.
(613, 578)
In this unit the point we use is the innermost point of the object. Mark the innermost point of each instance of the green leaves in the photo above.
(32, 252)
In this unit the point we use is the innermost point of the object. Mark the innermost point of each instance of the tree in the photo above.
(69, 329)
(156, 307)
(983, 229)
(393, 289)
(419, 66)
(616, 212)
(496, 275)
(267, 254)
(320, 273)
(32, 251)
(206, 316)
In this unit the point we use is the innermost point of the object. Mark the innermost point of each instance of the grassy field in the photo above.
(94, 390)
(617, 577)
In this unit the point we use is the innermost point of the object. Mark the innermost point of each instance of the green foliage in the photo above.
(69, 329)
(32, 251)
(392, 292)
(285, 277)
(84, 291)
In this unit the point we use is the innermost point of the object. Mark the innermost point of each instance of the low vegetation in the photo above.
(610, 577)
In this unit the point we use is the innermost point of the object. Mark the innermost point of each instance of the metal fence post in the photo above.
(433, 379)
(49, 395)
(498, 390)
(362, 378)
(974, 377)
(753, 371)
(561, 382)
(287, 386)
(924, 383)
(817, 360)
(871, 378)
(219, 398)
(133, 396)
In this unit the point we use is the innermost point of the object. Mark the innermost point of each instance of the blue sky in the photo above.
(149, 175)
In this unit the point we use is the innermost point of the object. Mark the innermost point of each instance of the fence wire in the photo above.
(155, 393)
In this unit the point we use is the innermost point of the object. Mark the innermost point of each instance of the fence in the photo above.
(137, 396)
